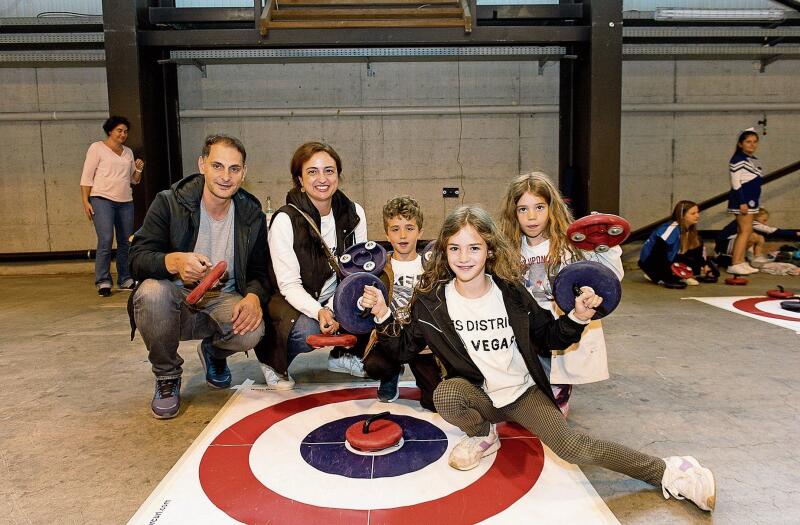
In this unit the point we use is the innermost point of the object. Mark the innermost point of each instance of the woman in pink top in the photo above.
(108, 173)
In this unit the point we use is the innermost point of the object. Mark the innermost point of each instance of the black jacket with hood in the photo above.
(172, 224)
(430, 325)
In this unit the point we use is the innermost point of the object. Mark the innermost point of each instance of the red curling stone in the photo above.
(374, 433)
(779, 293)
(736, 280)
(322, 340)
(681, 270)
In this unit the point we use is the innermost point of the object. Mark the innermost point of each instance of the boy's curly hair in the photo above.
(403, 206)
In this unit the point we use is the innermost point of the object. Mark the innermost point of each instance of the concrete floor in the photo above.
(78, 444)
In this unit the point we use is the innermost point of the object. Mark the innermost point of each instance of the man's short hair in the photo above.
(403, 206)
(227, 140)
(305, 152)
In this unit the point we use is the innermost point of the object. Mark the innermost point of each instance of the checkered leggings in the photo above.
(468, 407)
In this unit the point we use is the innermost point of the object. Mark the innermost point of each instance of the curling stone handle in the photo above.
(374, 417)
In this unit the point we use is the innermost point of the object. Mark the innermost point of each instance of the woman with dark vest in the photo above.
(318, 222)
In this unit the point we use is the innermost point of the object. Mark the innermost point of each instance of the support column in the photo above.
(146, 93)
(590, 113)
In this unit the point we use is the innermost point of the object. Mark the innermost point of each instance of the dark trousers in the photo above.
(657, 265)
(426, 372)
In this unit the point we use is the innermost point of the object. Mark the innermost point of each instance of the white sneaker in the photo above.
(685, 478)
(274, 380)
(741, 269)
(752, 268)
(691, 281)
(470, 450)
(761, 260)
(347, 364)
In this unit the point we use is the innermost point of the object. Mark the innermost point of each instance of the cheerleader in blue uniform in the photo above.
(745, 171)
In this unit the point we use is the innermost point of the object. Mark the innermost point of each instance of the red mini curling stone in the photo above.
(598, 232)
(736, 280)
(374, 434)
(207, 283)
(779, 293)
(681, 270)
(322, 340)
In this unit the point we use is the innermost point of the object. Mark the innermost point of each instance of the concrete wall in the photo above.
(41, 162)
(665, 156)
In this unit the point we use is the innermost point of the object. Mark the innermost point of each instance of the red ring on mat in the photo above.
(228, 481)
(749, 305)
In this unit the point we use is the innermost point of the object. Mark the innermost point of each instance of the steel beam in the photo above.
(200, 15)
(146, 93)
(590, 113)
(517, 14)
(292, 38)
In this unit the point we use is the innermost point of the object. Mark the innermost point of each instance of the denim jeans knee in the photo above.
(157, 312)
(303, 327)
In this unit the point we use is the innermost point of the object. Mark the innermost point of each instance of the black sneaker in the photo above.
(167, 398)
(218, 375)
(104, 291)
(673, 284)
(389, 390)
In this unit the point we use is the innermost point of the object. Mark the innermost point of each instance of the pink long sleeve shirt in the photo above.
(109, 175)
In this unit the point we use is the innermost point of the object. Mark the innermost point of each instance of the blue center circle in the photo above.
(324, 449)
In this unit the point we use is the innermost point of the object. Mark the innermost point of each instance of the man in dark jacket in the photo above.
(201, 220)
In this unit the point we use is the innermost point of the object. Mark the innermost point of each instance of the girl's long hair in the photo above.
(503, 260)
(690, 238)
(559, 217)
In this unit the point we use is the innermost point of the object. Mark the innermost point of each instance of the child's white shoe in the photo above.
(685, 478)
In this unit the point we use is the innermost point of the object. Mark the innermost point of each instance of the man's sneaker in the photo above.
(167, 398)
(104, 289)
(347, 364)
(389, 389)
(469, 451)
(685, 478)
(274, 380)
(127, 285)
(741, 269)
(218, 375)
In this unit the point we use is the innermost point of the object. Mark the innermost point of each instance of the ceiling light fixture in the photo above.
(669, 14)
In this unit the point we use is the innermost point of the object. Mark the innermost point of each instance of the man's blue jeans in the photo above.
(164, 319)
(110, 216)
